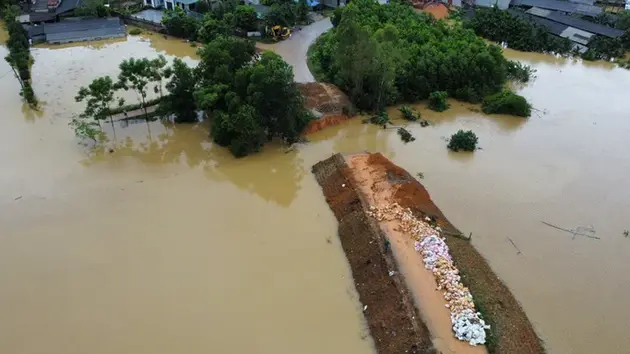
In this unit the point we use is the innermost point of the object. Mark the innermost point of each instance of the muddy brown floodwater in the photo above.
(168, 244)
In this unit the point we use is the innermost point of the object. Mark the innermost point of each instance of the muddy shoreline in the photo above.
(371, 261)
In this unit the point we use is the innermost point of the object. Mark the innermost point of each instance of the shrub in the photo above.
(506, 102)
(437, 101)
(135, 31)
(405, 135)
(409, 114)
(380, 119)
(519, 72)
(463, 140)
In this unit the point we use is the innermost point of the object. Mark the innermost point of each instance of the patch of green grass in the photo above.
(135, 31)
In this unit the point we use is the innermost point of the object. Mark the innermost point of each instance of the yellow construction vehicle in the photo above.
(280, 33)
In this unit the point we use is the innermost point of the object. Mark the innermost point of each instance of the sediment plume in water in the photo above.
(357, 186)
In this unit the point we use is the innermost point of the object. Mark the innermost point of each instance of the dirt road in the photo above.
(293, 50)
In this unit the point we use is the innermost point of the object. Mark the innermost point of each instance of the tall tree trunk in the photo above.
(111, 120)
(17, 76)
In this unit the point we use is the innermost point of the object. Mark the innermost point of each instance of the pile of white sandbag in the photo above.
(466, 321)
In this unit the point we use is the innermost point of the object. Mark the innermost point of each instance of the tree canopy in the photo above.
(19, 57)
(181, 88)
(250, 101)
(381, 54)
(179, 24)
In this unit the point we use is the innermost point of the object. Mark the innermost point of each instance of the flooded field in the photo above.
(167, 244)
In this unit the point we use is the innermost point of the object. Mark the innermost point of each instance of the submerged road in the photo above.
(294, 49)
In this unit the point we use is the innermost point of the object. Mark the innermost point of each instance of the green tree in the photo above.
(160, 72)
(506, 102)
(136, 74)
(437, 101)
(380, 54)
(94, 8)
(179, 24)
(98, 97)
(366, 69)
(623, 20)
(212, 28)
(463, 140)
(245, 17)
(281, 15)
(301, 11)
(249, 101)
(181, 88)
(501, 26)
(84, 128)
(19, 57)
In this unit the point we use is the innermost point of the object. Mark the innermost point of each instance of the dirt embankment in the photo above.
(392, 318)
(328, 102)
(510, 332)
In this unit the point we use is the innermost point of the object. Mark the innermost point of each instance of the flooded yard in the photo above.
(168, 244)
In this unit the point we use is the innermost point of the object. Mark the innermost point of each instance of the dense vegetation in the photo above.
(384, 54)
(500, 26)
(249, 100)
(506, 102)
(463, 141)
(521, 34)
(19, 57)
(229, 17)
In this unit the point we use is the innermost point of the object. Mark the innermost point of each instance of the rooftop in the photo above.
(78, 30)
(563, 6)
(576, 22)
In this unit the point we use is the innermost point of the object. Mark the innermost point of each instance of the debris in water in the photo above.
(391, 273)
(626, 233)
(20, 197)
(513, 244)
(364, 308)
(580, 231)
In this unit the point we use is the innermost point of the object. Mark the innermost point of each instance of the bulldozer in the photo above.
(279, 33)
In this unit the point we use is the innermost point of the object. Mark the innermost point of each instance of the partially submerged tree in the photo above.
(506, 102)
(437, 101)
(181, 88)
(160, 72)
(135, 74)
(463, 140)
(19, 57)
(250, 101)
(84, 128)
(409, 114)
(98, 96)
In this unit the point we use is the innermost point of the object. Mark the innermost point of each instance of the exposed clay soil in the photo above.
(328, 100)
(392, 318)
(379, 190)
(511, 331)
